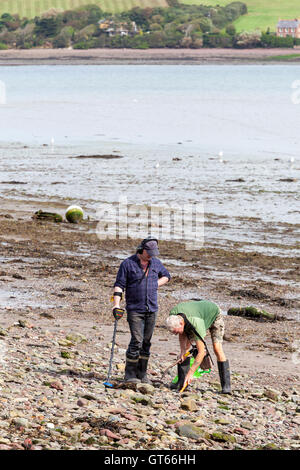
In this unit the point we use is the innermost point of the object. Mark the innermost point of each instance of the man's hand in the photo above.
(162, 280)
(188, 378)
(182, 356)
(118, 313)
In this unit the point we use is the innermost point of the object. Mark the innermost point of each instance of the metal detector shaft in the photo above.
(112, 350)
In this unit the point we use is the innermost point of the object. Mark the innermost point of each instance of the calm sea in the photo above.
(224, 136)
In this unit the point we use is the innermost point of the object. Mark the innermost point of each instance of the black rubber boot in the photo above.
(131, 371)
(182, 370)
(142, 370)
(224, 373)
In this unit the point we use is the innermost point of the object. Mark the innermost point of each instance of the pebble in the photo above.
(189, 405)
(61, 406)
(20, 422)
(82, 402)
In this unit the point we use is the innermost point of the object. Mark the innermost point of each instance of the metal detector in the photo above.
(118, 313)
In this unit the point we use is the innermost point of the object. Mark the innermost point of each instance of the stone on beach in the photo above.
(52, 373)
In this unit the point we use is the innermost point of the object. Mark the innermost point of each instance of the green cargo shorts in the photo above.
(217, 329)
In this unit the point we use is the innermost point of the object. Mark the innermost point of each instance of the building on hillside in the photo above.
(118, 29)
(288, 28)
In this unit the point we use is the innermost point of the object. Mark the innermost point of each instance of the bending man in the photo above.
(191, 320)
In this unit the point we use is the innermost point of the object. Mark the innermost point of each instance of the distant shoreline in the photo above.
(149, 56)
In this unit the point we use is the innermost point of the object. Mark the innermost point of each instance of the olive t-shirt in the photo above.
(200, 313)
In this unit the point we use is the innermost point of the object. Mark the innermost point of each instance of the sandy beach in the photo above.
(136, 56)
(56, 328)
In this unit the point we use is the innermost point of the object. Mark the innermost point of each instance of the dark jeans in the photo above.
(141, 327)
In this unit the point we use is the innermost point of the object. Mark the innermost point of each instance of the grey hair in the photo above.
(173, 321)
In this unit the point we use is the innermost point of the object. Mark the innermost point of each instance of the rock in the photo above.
(58, 361)
(141, 399)
(4, 424)
(248, 425)
(57, 385)
(82, 402)
(220, 436)
(269, 446)
(5, 447)
(104, 157)
(18, 276)
(49, 216)
(24, 324)
(223, 421)
(109, 434)
(241, 431)
(272, 394)
(145, 389)
(238, 180)
(251, 312)
(288, 180)
(76, 338)
(296, 420)
(88, 396)
(21, 422)
(72, 289)
(47, 315)
(191, 431)
(65, 354)
(65, 343)
(189, 405)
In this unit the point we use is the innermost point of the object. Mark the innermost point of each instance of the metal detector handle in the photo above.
(112, 349)
(118, 313)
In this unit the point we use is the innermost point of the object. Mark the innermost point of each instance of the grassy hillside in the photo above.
(32, 8)
(262, 14)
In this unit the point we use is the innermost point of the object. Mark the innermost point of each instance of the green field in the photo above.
(262, 14)
(32, 8)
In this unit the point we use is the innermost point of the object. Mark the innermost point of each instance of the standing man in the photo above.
(140, 276)
(191, 320)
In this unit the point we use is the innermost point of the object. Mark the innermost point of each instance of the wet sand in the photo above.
(36, 254)
(58, 278)
(136, 56)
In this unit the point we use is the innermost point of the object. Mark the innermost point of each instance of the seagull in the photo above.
(221, 156)
(292, 159)
(52, 140)
(157, 165)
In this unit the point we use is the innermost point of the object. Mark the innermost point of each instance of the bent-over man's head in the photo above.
(175, 324)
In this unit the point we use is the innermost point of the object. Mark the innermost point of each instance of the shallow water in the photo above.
(20, 299)
(151, 115)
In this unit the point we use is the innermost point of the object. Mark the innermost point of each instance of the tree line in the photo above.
(177, 26)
